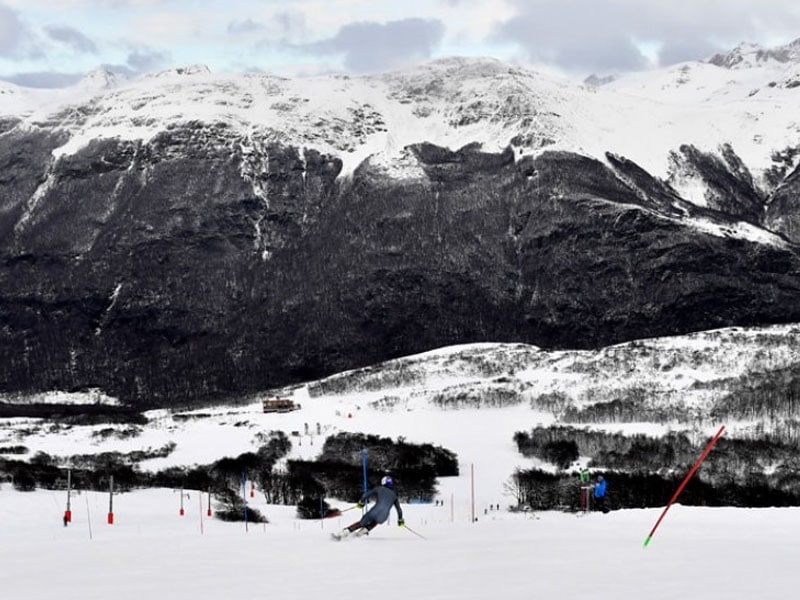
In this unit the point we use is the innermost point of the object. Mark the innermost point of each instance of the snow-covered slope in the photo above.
(151, 551)
(457, 395)
(449, 102)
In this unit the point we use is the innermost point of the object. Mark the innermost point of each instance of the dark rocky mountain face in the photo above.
(783, 210)
(155, 272)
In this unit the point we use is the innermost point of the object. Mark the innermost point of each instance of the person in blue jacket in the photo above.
(599, 493)
(385, 498)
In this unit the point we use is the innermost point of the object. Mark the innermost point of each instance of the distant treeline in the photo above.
(738, 472)
(539, 490)
(73, 414)
(338, 473)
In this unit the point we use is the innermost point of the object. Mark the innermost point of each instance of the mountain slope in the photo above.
(474, 400)
(189, 236)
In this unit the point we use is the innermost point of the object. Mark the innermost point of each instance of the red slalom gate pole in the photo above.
(110, 518)
(686, 479)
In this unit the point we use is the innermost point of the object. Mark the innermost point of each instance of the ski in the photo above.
(347, 534)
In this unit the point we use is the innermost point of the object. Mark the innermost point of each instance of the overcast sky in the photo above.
(54, 42)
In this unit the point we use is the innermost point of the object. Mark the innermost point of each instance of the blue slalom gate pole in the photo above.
(364, 467)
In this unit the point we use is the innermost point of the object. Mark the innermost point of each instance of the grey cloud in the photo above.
(572, 35)
(44, 79)
(592, 36)
(10, 31)
(370, 46)
(245, 26)
(284, 25)
(291, 23)
(72, 38)
(680, 51)
(603, 53)
(140, 61)
(16, 40)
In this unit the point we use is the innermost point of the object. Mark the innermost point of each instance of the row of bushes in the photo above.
(539, 490)
(562, 445)
(767, 467)
(73, 414)
(769, 396)
(338, 473)
(385, 454)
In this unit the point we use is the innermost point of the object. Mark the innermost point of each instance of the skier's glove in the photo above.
(401, 522)
(360, 504)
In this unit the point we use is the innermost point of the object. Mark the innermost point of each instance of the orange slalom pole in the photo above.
(685, 481)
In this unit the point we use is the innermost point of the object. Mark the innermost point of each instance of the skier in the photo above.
(600, 494)
(385, 497)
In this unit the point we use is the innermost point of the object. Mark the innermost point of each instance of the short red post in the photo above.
(68, 512)
(110, 519)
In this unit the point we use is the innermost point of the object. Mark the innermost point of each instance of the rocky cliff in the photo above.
(202, 262)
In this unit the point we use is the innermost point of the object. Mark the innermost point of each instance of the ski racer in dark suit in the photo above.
(385, 497)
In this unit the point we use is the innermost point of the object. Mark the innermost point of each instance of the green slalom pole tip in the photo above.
(647, 541)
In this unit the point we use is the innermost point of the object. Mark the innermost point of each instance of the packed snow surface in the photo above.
(152, 552)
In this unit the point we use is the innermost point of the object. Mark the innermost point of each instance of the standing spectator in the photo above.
(599, 493)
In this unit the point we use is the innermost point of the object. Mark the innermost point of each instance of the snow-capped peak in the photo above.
(99, 79)
(748, 56)
(456, 102)
(196, 69)
(596, 81)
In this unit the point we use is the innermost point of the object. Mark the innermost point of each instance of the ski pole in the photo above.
(419, 535)
(336, 514)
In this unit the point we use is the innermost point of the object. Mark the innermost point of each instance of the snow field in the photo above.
(151, 551)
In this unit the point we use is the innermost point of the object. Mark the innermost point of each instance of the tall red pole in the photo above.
(685, 481)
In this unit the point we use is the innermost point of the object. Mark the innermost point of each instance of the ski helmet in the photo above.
(387, 481)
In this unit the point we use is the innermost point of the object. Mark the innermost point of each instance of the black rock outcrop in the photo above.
(182, 270)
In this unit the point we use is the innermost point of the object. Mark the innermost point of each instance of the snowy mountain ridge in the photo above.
(448, 102)
(748, 55)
